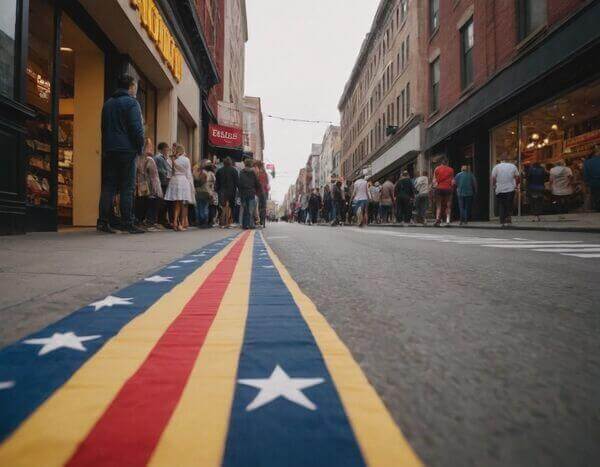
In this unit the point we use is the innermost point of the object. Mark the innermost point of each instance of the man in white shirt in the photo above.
(422, 187)
(360, 200)
(505, 180)
(561, 185)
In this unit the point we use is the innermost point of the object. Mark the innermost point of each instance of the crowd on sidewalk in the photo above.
(147, 191)
(407, 200)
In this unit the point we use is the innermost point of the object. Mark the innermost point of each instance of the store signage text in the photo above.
(224, 136)
(158, 31)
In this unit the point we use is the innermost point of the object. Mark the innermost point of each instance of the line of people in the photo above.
(145, 191)
(404, 201)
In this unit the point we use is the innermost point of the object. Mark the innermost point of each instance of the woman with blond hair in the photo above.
(181, 188)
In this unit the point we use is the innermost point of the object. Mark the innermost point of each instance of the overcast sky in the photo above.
(299, 55)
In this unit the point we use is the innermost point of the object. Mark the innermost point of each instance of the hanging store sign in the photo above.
(225, 136)
(155, 25)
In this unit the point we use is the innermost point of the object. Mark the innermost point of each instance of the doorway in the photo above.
(81, 95)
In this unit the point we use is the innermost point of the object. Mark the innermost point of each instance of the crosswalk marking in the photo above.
(584, 255)
(573, 248)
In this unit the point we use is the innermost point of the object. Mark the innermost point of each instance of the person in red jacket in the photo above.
(263, 195)
(443, 182)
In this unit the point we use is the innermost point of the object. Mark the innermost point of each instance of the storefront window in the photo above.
(561, 133)
(8, 22)
(39, 96)
(505, 146)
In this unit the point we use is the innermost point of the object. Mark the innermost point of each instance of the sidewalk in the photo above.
(45, 276)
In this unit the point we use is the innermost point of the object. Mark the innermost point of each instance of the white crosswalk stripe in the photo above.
(573, 248)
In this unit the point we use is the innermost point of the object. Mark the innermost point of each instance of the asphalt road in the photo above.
(486, 352)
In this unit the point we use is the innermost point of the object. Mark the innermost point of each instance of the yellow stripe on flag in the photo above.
(51, 434)
(197, 431)
(381, 441)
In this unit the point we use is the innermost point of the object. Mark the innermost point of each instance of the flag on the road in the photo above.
(217, 359)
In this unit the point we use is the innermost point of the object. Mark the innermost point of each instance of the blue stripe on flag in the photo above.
(282, 432)
(36, 377)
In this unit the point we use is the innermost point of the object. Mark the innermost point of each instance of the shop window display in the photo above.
(560, 132)
(38, 141)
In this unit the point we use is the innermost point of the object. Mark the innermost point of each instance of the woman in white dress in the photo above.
(180, 189)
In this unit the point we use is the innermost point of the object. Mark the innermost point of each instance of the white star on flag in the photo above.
(201, 255)
(6, 384)
(268, 267)
(279, 384)
(173, 267)
(157, 279)
(59, 340)
(111, 301)
(186, 261)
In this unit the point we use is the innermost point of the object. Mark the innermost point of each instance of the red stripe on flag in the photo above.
(129, 430)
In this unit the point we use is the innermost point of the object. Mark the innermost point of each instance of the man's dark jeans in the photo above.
(118, 175)
(464, 206)
(248, 207)
(595, 195)
(505, 206)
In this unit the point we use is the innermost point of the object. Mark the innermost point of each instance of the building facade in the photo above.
(60, 62)
(517, 80)
(254, 139)
(236, 36)
(331, 146)
(382, 106)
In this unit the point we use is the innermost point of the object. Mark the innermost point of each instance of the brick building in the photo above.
(382, 105)
(516, 79)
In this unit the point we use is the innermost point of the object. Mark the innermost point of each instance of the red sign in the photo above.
(225, 136)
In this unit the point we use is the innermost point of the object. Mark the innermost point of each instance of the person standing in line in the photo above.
(202, 194)
(304, 208)
(466, 188)
(164, 165)
(181, 188)
(314, 204)
(443, 183)
(122, 139)
(142, 188)
(404, 193)
(561, 186)
(360, 201)
(249, 186)
(213, 204)
(188, 212)
(422, 190)
(591, 176)
(505, 181)
(386, 201)
(226, 185)
(155, 194)
(263, 196)
(327, 204)
(536, 178)
(337, 196)
(375, 191)
(348, 210)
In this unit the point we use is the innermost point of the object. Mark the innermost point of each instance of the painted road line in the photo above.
(80, 402)
(286, 410)
(530, 245)
(134, 421)
(570, 250)
(198, 428)
(380, 439)
(584, 255)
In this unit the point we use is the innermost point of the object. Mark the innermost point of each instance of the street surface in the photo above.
(483, 344)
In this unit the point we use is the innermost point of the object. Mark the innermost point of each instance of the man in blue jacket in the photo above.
(122, 141)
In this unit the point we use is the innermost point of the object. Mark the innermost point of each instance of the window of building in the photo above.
(407, 49)
(402, 54)
(407, 100)
(8, 22)
(403, 9)
(398, 114)
(466, 45)
(434, 77)
(434, 15)
(531, 15)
